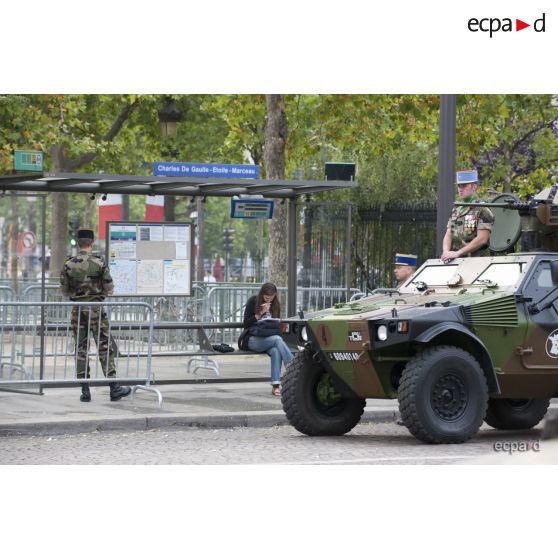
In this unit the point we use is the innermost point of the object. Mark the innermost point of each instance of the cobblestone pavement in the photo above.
(367, 444)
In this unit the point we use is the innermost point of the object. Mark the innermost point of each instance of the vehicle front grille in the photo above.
(498, 312)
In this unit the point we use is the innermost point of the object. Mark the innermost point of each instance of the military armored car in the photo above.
(458, 344)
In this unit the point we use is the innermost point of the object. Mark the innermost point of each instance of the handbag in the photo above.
(243, 340)
(266, 328)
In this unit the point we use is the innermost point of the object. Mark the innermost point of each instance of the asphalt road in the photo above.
(367, 444)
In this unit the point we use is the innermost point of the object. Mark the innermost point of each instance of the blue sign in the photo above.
(204, 170)
(251, 209)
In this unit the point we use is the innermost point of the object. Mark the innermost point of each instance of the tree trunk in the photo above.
(275, 139)
(61, 163)
(59, 231)
(90, 206)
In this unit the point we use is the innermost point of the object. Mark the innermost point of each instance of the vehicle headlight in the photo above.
(304, 334)
(381, 333)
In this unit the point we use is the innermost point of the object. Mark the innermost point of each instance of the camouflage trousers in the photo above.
(92, 323)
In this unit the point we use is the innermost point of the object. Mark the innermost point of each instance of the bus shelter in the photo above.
(288, 191)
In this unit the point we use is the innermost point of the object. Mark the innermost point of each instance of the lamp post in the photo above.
(446, 166)
(169, 116)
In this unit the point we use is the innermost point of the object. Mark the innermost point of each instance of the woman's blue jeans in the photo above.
(276, 348)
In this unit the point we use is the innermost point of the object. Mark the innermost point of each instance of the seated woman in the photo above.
(263, 334)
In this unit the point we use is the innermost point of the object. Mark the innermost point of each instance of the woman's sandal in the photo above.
(276, 390)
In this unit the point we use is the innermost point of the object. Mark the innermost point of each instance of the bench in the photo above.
(205, 351)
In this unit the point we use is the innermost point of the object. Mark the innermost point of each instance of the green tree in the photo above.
(275, 139)
(391, 138)
(73, 130)
(511, 139)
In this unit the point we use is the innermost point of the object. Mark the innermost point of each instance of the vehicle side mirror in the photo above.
(554, 271)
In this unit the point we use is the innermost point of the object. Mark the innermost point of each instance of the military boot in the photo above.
(118, 391)
(85, 393)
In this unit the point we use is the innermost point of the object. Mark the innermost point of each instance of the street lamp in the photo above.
(169, 117)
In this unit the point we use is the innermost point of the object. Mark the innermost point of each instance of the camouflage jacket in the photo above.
(464, 223)
(85, 277)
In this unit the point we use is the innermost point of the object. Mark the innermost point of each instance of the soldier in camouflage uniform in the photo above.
(469, 228)
(86, 278)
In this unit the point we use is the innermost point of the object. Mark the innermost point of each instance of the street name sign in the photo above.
(205, 170)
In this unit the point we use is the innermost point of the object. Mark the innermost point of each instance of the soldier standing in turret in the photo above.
(469, 228)
(86, 278)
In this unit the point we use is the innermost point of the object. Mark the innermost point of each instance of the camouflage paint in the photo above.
(337, 339)
(500, 324)
(537, 373)
(495, 315)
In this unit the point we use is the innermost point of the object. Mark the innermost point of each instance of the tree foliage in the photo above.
(393, 139)
(511, 139)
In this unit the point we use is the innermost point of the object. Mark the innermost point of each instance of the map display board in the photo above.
(150, 258)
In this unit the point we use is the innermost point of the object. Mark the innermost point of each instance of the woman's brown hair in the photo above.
(269, 289)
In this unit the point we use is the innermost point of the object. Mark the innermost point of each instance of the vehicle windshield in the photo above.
(434, 275)
(502, 274)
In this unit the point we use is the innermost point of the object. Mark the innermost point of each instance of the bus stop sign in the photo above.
(28, 161)
(251, 209)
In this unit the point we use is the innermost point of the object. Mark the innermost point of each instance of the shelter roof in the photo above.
(160, 185)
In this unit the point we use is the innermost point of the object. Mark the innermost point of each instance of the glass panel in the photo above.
(502, 274)
(436, 274)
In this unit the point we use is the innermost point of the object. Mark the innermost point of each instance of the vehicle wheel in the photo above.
(515, 414)
(311, 402)
(443, 395)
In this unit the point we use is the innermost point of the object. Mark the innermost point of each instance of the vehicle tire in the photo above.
(311, 402)
(515, 414)
(443, 395)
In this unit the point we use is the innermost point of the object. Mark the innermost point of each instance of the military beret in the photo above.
(86, 233)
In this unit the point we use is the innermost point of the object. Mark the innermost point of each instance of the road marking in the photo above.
(375, 460)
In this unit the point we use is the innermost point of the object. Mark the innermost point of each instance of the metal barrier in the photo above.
(226, 304)
(39, 347)
(209, 301)
(166, 308)
(175, 331)
(320, 298)
(6, 293)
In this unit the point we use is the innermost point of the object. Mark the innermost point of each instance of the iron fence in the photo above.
(382, 231)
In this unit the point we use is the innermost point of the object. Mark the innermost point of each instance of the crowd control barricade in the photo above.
(39, 347)
(226, 304)
(312, 299)
(6, 295)
(166, 308)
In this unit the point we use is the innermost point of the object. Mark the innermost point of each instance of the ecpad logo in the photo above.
(494, 24)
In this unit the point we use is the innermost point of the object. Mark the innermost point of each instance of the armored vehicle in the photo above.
(458, 344)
